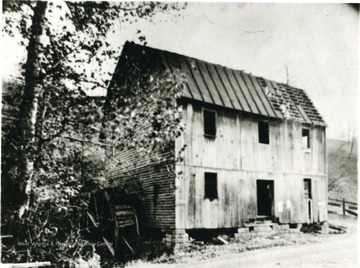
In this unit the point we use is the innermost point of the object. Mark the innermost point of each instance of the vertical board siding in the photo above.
(239, 161)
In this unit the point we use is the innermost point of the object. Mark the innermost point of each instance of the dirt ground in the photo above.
(336, 253)
(303, 251)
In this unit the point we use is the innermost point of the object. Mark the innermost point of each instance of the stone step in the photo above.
(266, 223)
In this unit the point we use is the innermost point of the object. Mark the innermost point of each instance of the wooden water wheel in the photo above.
(113, 223)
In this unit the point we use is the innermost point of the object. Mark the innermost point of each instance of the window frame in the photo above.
(211, 192)
(209, 135)
(308, 194)
(308, 140)
(260, 133)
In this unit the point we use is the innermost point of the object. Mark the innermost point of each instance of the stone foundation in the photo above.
(253, 230)
(176, 240)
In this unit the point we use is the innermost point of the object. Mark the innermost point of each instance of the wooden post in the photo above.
(343, 205)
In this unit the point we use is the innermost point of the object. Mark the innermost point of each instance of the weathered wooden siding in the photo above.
(239, 160)
(150, 182)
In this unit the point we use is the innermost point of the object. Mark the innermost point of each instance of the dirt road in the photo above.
(337, 250)
(332, 253)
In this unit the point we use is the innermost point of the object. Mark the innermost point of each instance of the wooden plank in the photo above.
(26, 264)
(303, 114)
(124, 224)
(351, 212)
(128, 244)
(124, 213)
(189, 135)
(5, 236)
(347, 202)
(124, 207)
(95, 223)
(109, 246)
(191, 215)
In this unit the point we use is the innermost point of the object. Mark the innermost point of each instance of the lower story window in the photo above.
(307, 188)
(211, 186)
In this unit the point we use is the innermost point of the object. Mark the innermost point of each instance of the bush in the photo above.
(54, 227)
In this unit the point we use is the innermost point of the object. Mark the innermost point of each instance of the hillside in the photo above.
(333, 145)
(342, 169)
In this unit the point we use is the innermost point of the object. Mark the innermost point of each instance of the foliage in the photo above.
(149, 113)
(52, 226)
(48, 144)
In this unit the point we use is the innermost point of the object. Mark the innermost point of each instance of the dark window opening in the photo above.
(209, 123)
(307, 188)
(305, 138)
(211, 186)
(264, 132)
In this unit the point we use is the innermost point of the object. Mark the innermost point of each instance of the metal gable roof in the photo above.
(238, 90)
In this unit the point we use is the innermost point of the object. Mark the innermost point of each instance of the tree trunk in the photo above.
(26, 136)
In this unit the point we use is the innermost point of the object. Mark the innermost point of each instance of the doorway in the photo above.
(265, 197)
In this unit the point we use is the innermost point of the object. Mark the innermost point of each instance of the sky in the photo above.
(318, 45)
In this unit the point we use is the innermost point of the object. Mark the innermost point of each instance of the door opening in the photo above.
(265, 197)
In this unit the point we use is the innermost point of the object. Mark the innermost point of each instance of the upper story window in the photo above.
(305, 141)
(211, 186)
(263, 128)
(209, 123)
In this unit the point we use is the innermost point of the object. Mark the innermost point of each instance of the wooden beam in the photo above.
(109, 246)
(127, 243)
(28, 264)
(95, 223)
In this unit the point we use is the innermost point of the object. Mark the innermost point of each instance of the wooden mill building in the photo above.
(252, 148)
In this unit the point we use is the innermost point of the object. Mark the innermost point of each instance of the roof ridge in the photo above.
(204, 61)
(224, 86)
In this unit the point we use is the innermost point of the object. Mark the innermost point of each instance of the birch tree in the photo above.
(66, 48)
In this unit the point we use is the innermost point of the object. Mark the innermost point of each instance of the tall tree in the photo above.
(66, 52)
(61, 39)
(30, 104)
